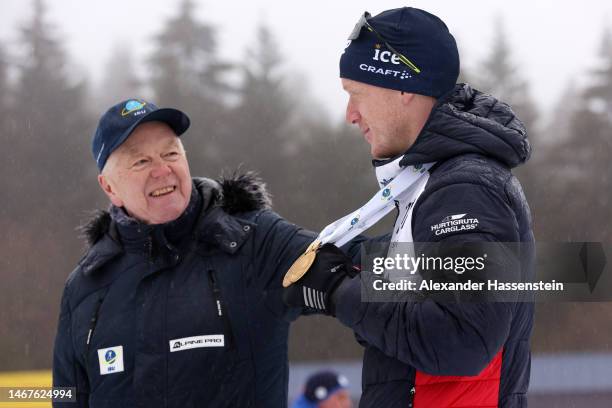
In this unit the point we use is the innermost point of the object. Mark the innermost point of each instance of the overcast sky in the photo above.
(555, 41)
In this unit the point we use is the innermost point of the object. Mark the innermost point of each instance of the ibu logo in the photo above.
(354, 222)
(133, 106)
(111, 360)
(110, 357)
(386, 194)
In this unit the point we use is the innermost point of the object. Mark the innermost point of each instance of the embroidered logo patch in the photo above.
(111, 360)
(186, 343)
(132, 106)
(454, 223)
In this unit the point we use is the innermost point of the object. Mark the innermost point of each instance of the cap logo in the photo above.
(385, 56)
(320, 393)
(386, 72)
(132, 106)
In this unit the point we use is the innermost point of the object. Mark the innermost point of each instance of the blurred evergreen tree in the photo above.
(260, 132)
(186, 67)
(6, 163)
(50, 111)
(500, 76)
(50, 177)
(598, 95)
(576, 188)
(188, 74)
(5, 123)
(581, 162)
(559, 126)
(4, 85)
(122, 80)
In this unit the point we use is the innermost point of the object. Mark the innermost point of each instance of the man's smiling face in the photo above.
(148, 175)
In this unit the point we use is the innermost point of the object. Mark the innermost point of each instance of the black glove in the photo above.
(314, 290)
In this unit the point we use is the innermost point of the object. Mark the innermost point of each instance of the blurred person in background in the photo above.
(324, 389)
(443, 154)
(177, 301)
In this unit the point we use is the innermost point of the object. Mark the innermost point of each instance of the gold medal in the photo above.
(314, 245)
(301, 265)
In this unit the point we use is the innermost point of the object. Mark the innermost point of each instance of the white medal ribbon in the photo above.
(402, 239)
(395, 181)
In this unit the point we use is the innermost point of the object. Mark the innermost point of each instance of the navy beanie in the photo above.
(418, 35)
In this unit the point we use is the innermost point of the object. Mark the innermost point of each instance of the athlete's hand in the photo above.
(314, 290)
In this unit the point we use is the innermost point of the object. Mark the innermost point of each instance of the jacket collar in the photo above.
(139, 237)
(465, 121)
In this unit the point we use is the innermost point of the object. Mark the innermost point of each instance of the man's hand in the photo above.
(314, 290)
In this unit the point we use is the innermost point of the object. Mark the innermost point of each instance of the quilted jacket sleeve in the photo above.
(278, 243)
(67, 372)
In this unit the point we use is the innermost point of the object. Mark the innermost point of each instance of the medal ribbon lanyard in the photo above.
(348, 227)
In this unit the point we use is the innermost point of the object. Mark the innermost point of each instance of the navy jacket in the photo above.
(187, 314)
(433, 354)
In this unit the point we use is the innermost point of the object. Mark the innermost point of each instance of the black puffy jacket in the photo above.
(440, 355)
(187, 314)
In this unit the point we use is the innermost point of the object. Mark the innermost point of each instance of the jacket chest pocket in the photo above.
(202, 346)
(199, 318)
(104, 339)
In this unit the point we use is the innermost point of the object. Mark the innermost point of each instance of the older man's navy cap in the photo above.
(119, 122)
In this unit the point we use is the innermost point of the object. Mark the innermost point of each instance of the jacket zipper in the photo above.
(149, 248)
(92, 327)
(221, 313)
(411, 401)
(94, 320)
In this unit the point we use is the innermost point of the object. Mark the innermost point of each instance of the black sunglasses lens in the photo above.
(362, 22)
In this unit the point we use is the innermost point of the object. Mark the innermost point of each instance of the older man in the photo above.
(443, 154)
(176, 302)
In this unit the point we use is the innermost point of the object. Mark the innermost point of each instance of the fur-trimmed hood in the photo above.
(240, 192)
